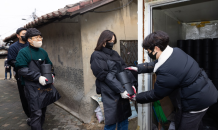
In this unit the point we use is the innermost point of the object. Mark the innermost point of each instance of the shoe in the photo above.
(28, 121)
(10, 79)
(5, 79)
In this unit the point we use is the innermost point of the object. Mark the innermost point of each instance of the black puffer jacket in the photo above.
(105, 65)
(181, 74)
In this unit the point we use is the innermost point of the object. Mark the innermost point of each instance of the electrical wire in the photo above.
(114, 8)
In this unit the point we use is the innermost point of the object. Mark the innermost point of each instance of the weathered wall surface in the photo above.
(62, 41)
(122, 22)
(2, 68)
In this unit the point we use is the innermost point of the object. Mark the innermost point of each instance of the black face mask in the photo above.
(109, 45)
(23, 38)
(152, 56)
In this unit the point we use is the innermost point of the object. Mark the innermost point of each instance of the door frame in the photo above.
(145, 80)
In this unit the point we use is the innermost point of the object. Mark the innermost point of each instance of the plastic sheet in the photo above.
(216, 26)
(191, 31)
(172, 126)
(208, 31)
(99, 114)
(200, 30)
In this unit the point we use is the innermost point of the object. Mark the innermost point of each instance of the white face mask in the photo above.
(37, 44)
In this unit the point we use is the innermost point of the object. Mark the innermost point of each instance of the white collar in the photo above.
(163, 57)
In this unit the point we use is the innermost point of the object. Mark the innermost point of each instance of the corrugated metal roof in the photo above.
(69, 10)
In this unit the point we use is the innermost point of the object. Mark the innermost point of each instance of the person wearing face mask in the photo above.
(12, 54)
(179, 77)
(106, 63)
(39, 94)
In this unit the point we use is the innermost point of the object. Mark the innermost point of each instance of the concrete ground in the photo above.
(12, 116)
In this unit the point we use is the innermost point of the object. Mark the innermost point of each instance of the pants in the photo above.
(123, 125)
(191, 121)
(37, 119)
(6, 74)
(23, 99)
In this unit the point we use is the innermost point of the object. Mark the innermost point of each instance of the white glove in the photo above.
(53, 78)
(124, 95)
(42, 80)
(132, 68)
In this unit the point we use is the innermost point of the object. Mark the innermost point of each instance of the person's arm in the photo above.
(164, 85)
(11, 56)
(48, 61)
(22, 62)
(146, 67)
(100, 70)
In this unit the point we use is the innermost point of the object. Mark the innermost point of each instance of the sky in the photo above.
(13, 11)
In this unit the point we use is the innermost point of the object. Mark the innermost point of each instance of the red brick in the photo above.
(96, 1)
(74, 8)
(85, 3)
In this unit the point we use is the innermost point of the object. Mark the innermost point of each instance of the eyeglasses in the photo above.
(38, 37)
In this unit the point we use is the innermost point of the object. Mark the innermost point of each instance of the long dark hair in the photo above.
(105, 36)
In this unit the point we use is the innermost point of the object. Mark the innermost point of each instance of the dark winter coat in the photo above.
(29, 71)
(13, 52)
(181, 78)
(146, 67)
(105, 64)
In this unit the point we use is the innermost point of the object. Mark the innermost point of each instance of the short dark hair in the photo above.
(105, 36)
(157, 38)
(20, 29)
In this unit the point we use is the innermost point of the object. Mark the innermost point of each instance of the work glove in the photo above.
(124, 95)
(53, 78)
(132, 68)
(42, 80)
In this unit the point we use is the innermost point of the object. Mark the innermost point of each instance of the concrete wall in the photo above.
(122, 22)
(2, 68)
(62, 41)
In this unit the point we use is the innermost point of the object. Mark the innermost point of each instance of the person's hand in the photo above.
(53, 78)
(42, 80)
(132, 68)
(133, 97)
(124, 95)
(7, 67)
